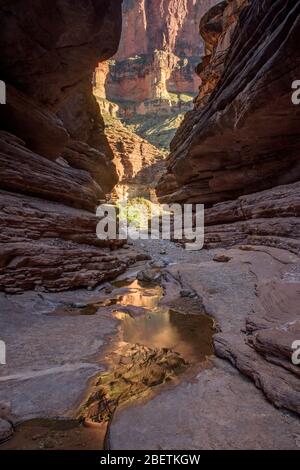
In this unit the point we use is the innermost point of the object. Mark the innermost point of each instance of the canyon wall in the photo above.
(246, 138)
(242, 136)
(237, 152)
(55, 160)
(158, 52)
(139, 164)
(152, 77)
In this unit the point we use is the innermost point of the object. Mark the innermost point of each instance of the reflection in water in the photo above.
(189, 335)
(159, 343)
(55, 434)
(139, 295)
(160, 327)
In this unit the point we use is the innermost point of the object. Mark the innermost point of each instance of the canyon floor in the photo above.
(69, 353)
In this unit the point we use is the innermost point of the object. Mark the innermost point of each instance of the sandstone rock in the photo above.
(270, 217)
(25, 219)
(151, 79)
(158, 51)
(221, 258)
(255, 302)
(251, 108)
(138, 163)
(53, 146)
(90, 149)
(82, 156)
(216, 28)
(48, 245)
(49, 48)
(55, 265)
(6, 412)
(26, 172)
(6, 430)
(39, 127)
(149, 275)
(167, 422)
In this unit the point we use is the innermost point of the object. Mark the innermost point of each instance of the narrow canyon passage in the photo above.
(141, 344)
(155, 378)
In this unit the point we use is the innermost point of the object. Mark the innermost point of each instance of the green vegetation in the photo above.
(158, 130)
(183, 97)
(136, 211)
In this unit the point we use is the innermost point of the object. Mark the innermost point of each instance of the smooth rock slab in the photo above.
(220, 409)
(50, 358)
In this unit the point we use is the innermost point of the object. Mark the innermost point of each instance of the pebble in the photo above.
(221, 258)
(6, 430)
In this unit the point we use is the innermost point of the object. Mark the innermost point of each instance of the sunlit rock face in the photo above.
(159, 49)
(243, 135)
(55, 161)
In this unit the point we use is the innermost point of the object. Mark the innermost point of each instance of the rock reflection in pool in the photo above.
(189, 335)
(139, 295)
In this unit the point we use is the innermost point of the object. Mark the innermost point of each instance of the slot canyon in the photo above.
(142, 344)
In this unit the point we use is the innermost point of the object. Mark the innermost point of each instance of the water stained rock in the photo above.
(70, 311)
(137, 371)
(158, 344)
(58, 434)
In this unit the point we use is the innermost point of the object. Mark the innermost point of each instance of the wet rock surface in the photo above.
(139, 369)
(253, 299)
(218, 409)
(244, 296)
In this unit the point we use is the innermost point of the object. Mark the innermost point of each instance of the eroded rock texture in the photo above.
(246, 138)
(159, 49)
(139, 164)
(269, 217)
(52, 143)
(238, 153)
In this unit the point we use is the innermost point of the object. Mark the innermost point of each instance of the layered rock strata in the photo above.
(158, 52)
(139, 164)
(55, 161)
(151, 80)
(238, 153)
(245, 139)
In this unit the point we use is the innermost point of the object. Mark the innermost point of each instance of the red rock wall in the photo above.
(55, 160)
(159, 49)
(245, 138)
(243, 135)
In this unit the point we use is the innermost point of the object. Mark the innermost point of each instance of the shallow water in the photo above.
(55, 434)
(189, 335)
(161, 327)
(158, 345)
